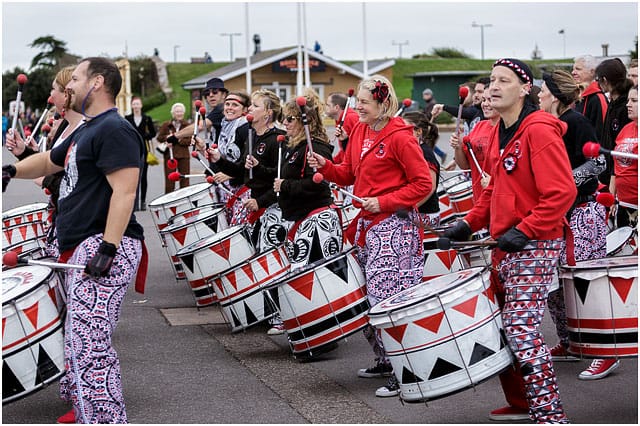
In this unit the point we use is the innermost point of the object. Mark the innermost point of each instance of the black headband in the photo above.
(555, 90)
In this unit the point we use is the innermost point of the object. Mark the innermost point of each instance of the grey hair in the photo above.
(589, 61)
(176, 105)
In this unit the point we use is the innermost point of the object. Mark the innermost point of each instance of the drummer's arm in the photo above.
(36, 165)
(124, 183)
(434, 178)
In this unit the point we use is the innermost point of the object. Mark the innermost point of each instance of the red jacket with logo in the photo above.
(532, 185)
(388, 165)
(625, 169)
(480, 138)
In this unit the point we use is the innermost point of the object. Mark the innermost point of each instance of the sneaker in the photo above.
(276, 329)
(380, 370)
(391, 389)
(599, 369)
(559, 353)
(68, 417)
(509, 413)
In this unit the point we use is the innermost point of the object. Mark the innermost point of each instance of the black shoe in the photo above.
(380, 370)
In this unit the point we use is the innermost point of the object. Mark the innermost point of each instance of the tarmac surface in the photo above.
(181, 364)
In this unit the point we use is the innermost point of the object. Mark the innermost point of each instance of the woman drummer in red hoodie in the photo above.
(385, 164)
(531, 190)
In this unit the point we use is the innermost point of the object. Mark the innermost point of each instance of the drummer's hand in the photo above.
(436, 110)
(458, 232)
(340, 133)
(32, 143)
(221, 177)
(100, 264)
(371, 205)
(213, 154)
(454, 141)
(485, 179)
(316, 160)
(251, 204)
(14, 142)
(277, 184)
(512, 241)
(451, 166)
(251, 162)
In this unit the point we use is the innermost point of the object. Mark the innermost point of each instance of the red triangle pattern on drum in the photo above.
(218, 283)
(174, 210)
(231, 276)
(490, 294)
(52, 295)
(622, 286)
(23, 232)
(447, 257)
(431, 323)
(9, 234)
(4, 321)
(32, 314)
(264, 262)
(247, 270)
(180, 235)
(276, 254)
(468, 307)
(303, 284)
(222, 249)
(397, 332)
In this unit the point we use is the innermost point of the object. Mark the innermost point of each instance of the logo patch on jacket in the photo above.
(261, 148)
(380, 152)
(293, 158)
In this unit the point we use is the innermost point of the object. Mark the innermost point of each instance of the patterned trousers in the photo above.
(523, 281)
(92, 379)
(589, 226)
(392, 261)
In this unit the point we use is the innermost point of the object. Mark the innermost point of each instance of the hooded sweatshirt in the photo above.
(388, 164)
(532, 185)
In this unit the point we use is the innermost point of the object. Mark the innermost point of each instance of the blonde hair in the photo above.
(314, 110)
(269, 101)
(390, 104)
(568, 87)
(63, 77)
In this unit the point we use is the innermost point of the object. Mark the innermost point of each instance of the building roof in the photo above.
(238, 67)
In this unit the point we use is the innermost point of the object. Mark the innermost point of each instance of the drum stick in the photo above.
(302, 103)
(210, 179)
(44, 114)
(203, 116)
(11, 259)
(592, 150)
(249, 118)
(176, 176)
(333, 185)
(280, 139)
(445, 243)
(473, 156)
(196, 115)
(22, 80)
(344, 113)
(405, 104)
(462, 93)
(404, 214)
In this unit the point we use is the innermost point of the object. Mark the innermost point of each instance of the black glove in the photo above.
(172, 140)
(7, 173)
(459, 232)
(100, 264)
(513, 240)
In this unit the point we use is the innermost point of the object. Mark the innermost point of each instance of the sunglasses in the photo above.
(210, 92)
(291, 118)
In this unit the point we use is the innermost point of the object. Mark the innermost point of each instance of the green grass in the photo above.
(178, 74)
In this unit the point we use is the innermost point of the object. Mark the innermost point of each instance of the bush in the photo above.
(157, 99)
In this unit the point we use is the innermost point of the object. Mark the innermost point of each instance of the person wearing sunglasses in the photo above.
(304, 203)
(214, 94)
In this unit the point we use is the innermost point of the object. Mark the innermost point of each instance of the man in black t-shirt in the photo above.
(96, 227)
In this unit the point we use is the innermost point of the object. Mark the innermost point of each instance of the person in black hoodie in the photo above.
(316, 232)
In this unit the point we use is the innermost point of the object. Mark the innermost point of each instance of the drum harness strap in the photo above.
(292, 232)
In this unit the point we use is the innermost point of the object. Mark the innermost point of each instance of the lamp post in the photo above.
(481, 26)
(175, 52)
(400, 44)
(230, 35)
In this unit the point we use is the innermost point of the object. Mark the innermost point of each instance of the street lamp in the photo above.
(175, 53)
(400, 44)
(475, 25)
(230, 35)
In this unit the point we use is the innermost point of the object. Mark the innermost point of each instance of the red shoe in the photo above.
(509, 413)
(559, 353)
(68, 417)
(599, 369)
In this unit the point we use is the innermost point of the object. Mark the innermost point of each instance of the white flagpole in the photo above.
(247, 47)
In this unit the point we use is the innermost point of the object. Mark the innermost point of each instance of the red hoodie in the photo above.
(538, 191)
(480, 137)
(392, 168)
(351, 119)
(626, 170)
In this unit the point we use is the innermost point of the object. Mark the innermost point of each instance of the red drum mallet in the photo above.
(210, 179)
(11, 259)
(593, 150)
(22, 80)
(249, 118)
(405, 104)
(463, 92)
(280, 140)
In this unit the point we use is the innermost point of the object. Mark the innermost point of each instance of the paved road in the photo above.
(181, 365)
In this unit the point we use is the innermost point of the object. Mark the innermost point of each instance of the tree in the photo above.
(634, 53)
(448, 52)
(35, 93)
(51, 53)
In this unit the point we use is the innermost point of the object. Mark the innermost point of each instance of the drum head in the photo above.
(179, 194)
(424, 291)
(18, 211)
(618, 238)
(192, 219)
(19, 281)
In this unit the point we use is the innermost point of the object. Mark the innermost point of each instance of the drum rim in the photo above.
(204, 206)
(155, 204)
(240, 228)
(32, 288)
(176, 226)
(312, 266)
(478, 269)
(6, 214)
(619, 263)
(252, 258)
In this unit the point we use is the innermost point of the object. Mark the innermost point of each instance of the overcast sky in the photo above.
(97, 28)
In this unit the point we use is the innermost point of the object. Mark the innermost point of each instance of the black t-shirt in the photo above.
(432, 205)
(103, 145)
(579, 132)
(215, 116)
